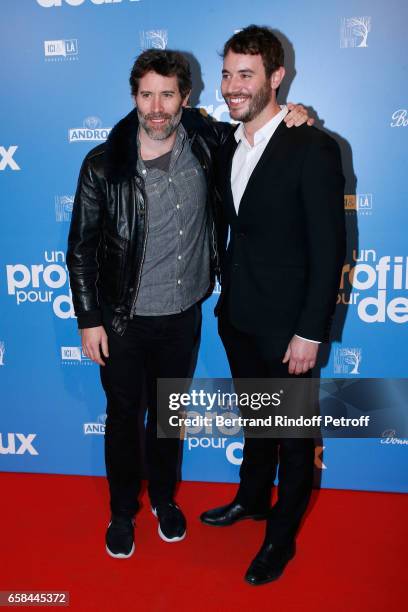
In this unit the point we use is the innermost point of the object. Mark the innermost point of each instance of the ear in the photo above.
(185, 100)
(277, 78)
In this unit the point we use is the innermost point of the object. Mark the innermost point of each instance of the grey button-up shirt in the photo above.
(176, 267)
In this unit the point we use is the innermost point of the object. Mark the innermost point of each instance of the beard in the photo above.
(257, 103)
(160, 132)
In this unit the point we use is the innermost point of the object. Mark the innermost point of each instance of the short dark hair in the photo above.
(165, 63)
(258, 40)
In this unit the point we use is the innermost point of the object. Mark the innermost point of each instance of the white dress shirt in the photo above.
(247, 156)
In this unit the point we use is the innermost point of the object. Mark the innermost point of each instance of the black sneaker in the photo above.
(172, 524)
(120, 537)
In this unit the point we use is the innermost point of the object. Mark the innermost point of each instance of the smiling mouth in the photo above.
(157, 121)
(236, 100)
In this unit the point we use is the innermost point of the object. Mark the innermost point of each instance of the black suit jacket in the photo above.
(281, 271)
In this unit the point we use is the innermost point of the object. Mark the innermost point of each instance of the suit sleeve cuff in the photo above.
(92, 318)
(308, 340)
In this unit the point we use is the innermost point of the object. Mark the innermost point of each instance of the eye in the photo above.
(225, 77)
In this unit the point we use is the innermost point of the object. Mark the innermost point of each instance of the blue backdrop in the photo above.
(64, 73)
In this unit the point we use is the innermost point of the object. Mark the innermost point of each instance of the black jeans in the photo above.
(151, 348)
(253, 357)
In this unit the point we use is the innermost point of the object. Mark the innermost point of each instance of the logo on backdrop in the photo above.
(17, 444)
(233, 450)
(153, 39)
(7, 158)
(354, 32)
(97, 428)
(389, 436)
(2, 352)
(91, 130)
(367, 282)
(74, 356)
(218, 110)
(400, 118)
(42, 283)
(63, 208)
(61, 50)
(56, 3)
(360, 203)
(347, 360)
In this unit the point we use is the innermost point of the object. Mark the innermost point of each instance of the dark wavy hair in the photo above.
(258, 40)
(165, 63)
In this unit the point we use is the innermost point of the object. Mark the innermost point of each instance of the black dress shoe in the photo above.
(230, 514)
(269, 563)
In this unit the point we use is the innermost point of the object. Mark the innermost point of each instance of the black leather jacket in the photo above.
(107, 238)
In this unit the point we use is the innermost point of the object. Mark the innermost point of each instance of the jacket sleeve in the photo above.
(83, 242)
(222, 130)
(323, 200)
(215, 132)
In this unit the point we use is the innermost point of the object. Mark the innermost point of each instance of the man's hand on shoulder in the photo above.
(297, 115)
(301, 355)
(95, 341)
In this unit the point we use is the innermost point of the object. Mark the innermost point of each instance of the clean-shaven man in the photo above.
(142, 255)
(282, 194)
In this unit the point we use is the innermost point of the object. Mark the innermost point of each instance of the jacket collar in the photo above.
(121, 146)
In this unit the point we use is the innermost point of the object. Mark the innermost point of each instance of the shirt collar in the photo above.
(181, 137)
(265, 132)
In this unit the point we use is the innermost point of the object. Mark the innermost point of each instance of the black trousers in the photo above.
(253, 357)
(151, 348)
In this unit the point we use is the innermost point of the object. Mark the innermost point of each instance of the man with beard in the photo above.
(282, 194)
(142, 255)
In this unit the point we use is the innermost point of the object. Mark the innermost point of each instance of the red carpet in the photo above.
(351, 552)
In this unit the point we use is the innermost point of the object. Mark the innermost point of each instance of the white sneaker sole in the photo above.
(163, 537)
(120, 555)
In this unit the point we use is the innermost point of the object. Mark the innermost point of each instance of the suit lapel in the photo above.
(230, 148)
(270, 150)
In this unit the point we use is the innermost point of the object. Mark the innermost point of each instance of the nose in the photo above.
(233, 85)
(156, 106)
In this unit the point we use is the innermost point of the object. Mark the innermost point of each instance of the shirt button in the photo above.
(179, 282)
(170, 180)
(181, 232)
(143, 171)
(178, 206)
(179, 257)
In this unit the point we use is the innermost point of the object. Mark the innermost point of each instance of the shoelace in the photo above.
(166, 507)
(122, 524)
(169, 513)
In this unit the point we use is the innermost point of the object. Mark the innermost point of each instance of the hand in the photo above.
(301, 355)
(297, 115)
(94, 339)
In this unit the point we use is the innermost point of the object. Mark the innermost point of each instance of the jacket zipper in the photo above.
(213, 239)
(146, 231)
